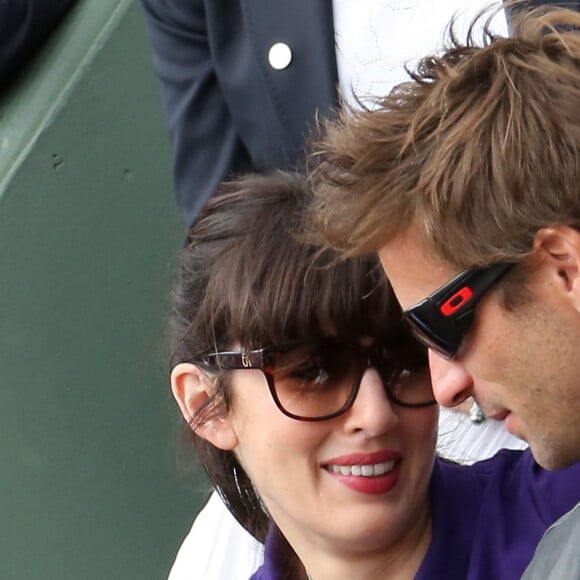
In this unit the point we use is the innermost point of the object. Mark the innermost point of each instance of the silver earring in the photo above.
(476, 415)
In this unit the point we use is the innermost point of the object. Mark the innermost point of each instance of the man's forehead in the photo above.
(412, 267)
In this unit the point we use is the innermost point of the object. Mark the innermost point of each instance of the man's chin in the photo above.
(552, 459)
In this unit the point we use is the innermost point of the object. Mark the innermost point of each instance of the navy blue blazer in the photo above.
(228, 111)
(24, 25)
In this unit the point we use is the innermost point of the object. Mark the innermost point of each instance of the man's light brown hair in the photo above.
(478, 151)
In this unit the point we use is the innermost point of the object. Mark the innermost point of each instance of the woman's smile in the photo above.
(372, 473)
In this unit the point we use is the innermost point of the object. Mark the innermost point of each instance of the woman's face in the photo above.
(312, 476)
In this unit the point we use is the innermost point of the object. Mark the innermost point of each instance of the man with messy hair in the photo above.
(466, 181)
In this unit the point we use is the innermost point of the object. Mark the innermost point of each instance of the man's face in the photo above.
(521, 364)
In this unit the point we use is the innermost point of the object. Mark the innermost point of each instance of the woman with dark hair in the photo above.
(312, 411)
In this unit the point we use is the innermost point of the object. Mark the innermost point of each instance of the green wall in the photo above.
(89, 487)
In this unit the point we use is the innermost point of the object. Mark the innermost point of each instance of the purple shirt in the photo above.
(487, 518)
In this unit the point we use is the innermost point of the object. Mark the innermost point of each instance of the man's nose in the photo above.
(452, 384)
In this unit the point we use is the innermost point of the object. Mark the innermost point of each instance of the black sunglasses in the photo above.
(442, 320)
(315, 381)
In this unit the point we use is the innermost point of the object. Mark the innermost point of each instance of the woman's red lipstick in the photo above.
(372, 473)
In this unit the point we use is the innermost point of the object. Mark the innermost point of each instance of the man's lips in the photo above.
(508, 419)
(497, 415)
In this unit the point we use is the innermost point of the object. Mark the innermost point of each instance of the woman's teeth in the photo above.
(363, 470)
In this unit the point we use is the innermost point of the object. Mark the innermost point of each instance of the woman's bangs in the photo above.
(324, 296)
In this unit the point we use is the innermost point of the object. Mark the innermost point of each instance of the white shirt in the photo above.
(376, 39)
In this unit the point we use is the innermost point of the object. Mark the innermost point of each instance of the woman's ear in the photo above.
(192, 389)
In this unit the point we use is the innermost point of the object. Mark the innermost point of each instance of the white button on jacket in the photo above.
(279, 56)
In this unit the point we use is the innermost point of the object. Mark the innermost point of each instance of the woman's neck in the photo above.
(398, 561)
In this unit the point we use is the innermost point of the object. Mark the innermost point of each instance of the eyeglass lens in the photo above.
(318, 380)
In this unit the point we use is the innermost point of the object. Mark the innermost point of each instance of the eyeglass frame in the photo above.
(451, 309)
(257, 359)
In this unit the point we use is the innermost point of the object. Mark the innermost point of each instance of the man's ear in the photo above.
(192, 390)
(559, 249)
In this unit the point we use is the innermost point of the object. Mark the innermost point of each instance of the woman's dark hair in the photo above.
(248, 279)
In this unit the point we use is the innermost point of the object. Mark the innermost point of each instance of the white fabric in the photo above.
(375, 39)
(465, 442)
(217, 547)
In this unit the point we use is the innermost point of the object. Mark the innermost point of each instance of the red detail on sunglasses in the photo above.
(457, 301)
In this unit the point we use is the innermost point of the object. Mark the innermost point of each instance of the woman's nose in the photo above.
(371, 411)
(452, 384)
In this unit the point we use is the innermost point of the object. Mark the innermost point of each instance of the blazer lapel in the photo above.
(308, 85)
